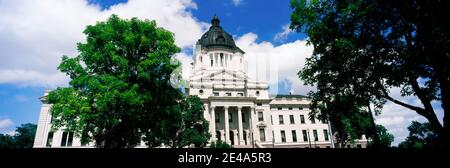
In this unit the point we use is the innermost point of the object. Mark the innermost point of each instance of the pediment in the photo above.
(219, 75)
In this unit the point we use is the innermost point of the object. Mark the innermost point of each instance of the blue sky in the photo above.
(265, 18)
(37, 33)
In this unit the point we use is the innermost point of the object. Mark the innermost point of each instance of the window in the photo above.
(51, 119)
(70, 139)
(325, 134)
(230, 117)
(328, 146)
(216, 57)
(217, 118)
(290, 108)
(201, 92)
(291, 117)
(359, 146)
(216, 93)
(262, 135)
(64, 139)
(201, 59)
(49, 139)
(241, 94)
(305, 135)
(302, 119)
(257, 93)
(280, 118)
(316, 137)
(243, 117)
(271, 120)
(259, 104)
(294, 136)
(300, 108)
(260, 116)
(279, 108)
(228, 94)
(221, 59)
(212, 60)
(313, 120)
(283, 136)
(226, 60)
(67, 139)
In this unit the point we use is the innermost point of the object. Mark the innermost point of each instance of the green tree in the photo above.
(367, 47)
(6, 141)
(385, 138)
(188, 126)
(347, 118)
(421, 135)
(120, 86)
(220, 144)
(24, 137)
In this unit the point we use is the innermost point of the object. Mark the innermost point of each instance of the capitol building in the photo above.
(240, 111)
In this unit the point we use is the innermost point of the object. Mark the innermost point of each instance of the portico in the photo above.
(232, 124)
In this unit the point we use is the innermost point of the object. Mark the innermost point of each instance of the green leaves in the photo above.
(364, 48)
(120, 89)
(23, 138)
(421, 135)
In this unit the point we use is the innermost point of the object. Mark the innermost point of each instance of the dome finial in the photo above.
(215, 20)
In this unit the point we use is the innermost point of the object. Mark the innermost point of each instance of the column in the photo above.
(252, 126)
(227, 126)
(213, 123)
(241, 138)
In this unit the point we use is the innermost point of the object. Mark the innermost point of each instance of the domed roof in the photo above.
(216, 37)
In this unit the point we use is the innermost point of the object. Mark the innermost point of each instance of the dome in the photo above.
(216, 37)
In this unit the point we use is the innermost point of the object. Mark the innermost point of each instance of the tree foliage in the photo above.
(385, 138)
(6, 141)
(220, 144)
(349, 121)
(120, 88)
(421, 135)
(364, 48)
(188, 126)
(23, 137)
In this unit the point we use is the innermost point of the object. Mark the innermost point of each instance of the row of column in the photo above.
(227, 124)
(220, 60)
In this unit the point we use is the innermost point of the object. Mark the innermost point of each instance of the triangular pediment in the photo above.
(220, 74)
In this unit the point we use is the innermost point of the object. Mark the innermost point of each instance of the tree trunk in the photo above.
(376, 137)
(445, 99)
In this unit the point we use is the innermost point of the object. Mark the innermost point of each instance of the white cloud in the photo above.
(5, 125)
(236, 2)
(387, 121)
(281, 36)
(36, 33)
(397, 118)
(269, 63)
(186, 66)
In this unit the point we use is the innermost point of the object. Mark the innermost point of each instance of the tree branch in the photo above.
(426, 101)
(419, 110)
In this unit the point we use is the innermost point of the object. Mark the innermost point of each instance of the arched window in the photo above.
(201, 92)
(221, 59)
(257, 93)
(212, 60)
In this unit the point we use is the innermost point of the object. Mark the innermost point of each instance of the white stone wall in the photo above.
(290, 106)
